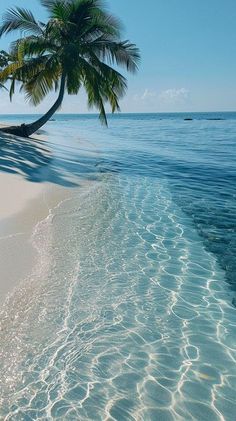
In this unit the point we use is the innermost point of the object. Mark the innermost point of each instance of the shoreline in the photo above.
(18, 255)
(36, 174)
(24, 204)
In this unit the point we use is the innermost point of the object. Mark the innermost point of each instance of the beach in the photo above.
(118, 266)
(20, 208)
(24, 204)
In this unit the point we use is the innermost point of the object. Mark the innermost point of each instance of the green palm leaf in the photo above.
(79, 46)
(20, 19)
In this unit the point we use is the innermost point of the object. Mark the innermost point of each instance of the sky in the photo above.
(188, 57)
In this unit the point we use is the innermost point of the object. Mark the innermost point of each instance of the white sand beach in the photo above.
(26, 199)
(14, 188)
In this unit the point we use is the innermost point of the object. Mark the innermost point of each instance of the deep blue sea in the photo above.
(130, 312)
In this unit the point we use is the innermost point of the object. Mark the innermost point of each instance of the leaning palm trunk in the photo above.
(81, 41)
(26, 130)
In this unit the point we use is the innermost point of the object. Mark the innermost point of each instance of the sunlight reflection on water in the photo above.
(127, 314)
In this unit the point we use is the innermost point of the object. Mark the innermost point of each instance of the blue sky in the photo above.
(188, 50)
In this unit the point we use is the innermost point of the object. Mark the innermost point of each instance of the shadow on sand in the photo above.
(33, 159)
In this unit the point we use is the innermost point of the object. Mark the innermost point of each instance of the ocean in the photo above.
(130, 312)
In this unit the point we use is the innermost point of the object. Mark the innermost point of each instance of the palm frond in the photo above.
(91, 17)
(9, 70)
(60, 10)
(12, 88)
(20, 19)
(49, 4)
(42, 82)
(103, 85)
(92, 87)
(121, 53)
(35, 46)
(38, 88)
(4, 58)
(74, 81)
(2, 86)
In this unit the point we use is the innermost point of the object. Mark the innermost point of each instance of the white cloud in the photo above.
(146, 95)
(174, 96)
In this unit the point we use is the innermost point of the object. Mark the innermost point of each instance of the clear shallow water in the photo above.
(129, 313)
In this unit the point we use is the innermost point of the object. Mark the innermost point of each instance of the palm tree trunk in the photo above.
(26, 130)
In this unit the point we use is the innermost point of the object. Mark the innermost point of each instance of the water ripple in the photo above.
(135, 324)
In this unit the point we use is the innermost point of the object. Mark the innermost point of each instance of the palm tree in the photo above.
(78, 47)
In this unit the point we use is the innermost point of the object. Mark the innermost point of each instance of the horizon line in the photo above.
(129, 112)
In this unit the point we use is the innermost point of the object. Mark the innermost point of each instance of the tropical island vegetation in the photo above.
(79, 46)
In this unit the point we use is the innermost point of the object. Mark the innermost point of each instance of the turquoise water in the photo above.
(130, 312)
